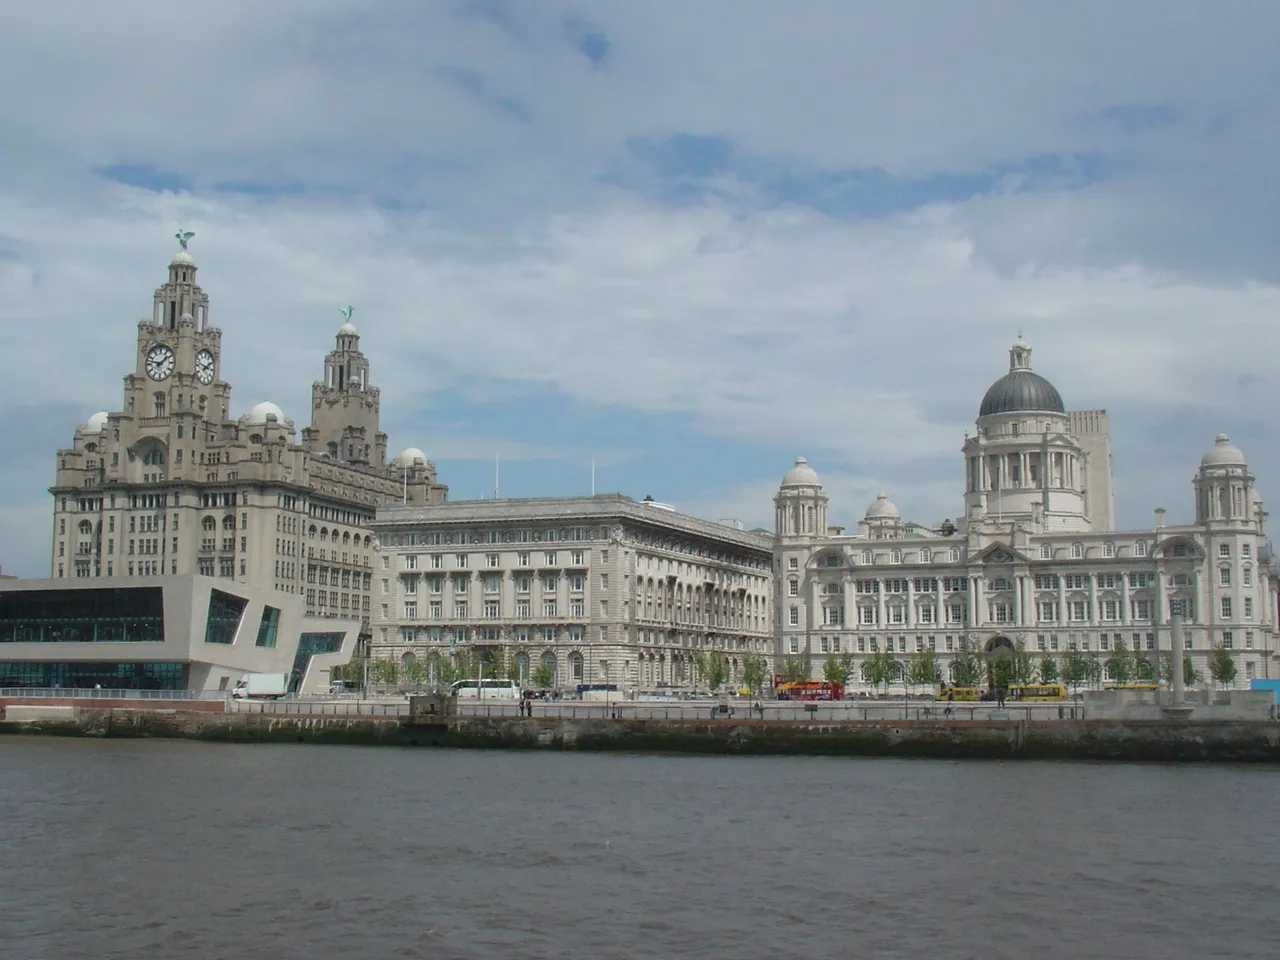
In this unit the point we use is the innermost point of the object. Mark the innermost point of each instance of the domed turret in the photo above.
(882, 508)
(1021, 389)
(348, 329)
(262, 412)
(95, 423)
(801, 475)
(1223, 453)
(409, 456)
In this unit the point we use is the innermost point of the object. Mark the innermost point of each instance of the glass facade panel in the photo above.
(309, 644)
(225, 611)
(268, 626)
(118, 615)
(109, 676)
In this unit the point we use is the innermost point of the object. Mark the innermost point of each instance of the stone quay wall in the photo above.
(1123, 740)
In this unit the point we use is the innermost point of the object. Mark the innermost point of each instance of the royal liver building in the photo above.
(1035, 561)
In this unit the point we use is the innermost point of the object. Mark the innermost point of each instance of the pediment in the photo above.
(1001, 554)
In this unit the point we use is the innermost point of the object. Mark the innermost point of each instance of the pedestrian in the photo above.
(950, 699)
(1000, 697)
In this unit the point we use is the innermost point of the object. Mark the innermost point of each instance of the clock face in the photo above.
(204, 367)
(159, 362)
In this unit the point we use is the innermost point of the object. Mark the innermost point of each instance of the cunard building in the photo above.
(1034, 561)
(173, 482)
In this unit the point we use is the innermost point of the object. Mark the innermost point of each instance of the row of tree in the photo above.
(1074, 668)
(969, 669)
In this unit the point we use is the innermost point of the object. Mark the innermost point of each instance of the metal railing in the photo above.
(318, 708)
(774, 710)
(84, 693)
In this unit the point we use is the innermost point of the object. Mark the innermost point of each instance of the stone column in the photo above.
(1124, 599)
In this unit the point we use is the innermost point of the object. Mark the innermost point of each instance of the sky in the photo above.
(688, 240)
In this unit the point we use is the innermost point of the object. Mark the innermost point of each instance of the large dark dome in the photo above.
(1021, 390)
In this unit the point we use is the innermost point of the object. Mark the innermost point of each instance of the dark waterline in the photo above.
(150, 849)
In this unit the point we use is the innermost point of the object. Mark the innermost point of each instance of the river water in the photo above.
(152, 849)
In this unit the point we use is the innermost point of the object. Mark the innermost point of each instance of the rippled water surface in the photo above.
(137, 849)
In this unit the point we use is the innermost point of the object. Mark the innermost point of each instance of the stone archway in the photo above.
(996, 648)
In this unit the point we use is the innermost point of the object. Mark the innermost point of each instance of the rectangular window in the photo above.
(1078, 610)
(793, 588)
(492, 609)
(492, 559)
(410, 562)
(549, 558)
(522, 560)
(794, 616)
(1227, 639)
(411, 611)
(460, 560)
(436, 610)
(460, 610)
(548, 608)
(795, 645)
(1226, 608)
(1047, 611)
(1110, 609)
(576, 608)
(577, 558)
(522, 609)
(1224, 576)
(437, 561)
(1141, 609)
(1248, 608)
(1224, 549)
(867, 615)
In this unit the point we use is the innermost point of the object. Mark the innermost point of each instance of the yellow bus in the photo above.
(1038, 693)
(960, 693)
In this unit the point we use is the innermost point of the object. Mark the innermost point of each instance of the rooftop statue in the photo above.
(184, 236)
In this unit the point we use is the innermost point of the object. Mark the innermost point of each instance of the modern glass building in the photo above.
(184, 632)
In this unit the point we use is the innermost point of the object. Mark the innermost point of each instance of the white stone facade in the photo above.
(1035, 560)
(603, 589)
(172, 484)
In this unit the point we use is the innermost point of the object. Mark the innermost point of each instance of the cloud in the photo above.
(765, 232)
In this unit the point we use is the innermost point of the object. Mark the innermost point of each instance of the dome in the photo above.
(348, 329)
(1223, 453)
(801, 475)
(1021, 390)
(262, 411)
(95, 423)
(883, 509)
(408, 455)
(182, 259)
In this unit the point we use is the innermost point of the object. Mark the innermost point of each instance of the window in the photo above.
(1224, 576)
(548, 608)
(926, 555)
(795, 645)
(460, 560)
(1140, 549)
(794, 615)
(793, 563)
(867, 615)
(492, 609)
(1227, 640)
(1046, 581)
(1142, 609)
(435, 610)
(1224, 549)
(492, 559)
(1077, 551)
(954, 555)
(549, 558)
(411, 611)
(1248, 608)
(1047, 611)
(1046, 552)
(577, 558)
(1246, 550)
(833, 560)
(460, 610)
(1226, 608)
(793, 588)
(895, 556)
(1246, 576)
(867, 557)
(1078, 610)
(1109, 609)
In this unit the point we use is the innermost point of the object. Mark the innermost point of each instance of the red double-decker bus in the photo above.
(808, 689)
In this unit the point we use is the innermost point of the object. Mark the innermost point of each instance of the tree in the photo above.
(385, 672)
(464, 665)
(415, 673)
(1049, 670)
(714, 668)
(838, 668)
(1000, 669)
(1121, 664)
(494, 661)
(755, 671)
(924, 670)
(794, 670)
(1024, 671)
(880, 669)
(1075, 669)
(967, 667)
(1189, 673)
(543, 676)
(1222, 666)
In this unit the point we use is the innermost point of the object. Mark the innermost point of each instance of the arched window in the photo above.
(368, 542)
(333, 537)
(576, 667)
(346, 539)
(926, 555)
(86, 527)
(311, 532)
(1108, 549)
(229, 522)
(867, 557)
(1140, 548)
(255, 438)
(153, 458)
(549, 661)
(209, 524)
(895, 556)
(1077, 551)
(522, 667)
(1046, 552)
(954, 554)
(159, 402)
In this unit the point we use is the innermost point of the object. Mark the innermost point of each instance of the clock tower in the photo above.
(179, 353)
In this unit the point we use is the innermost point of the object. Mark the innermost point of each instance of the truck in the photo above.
(261, 686)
